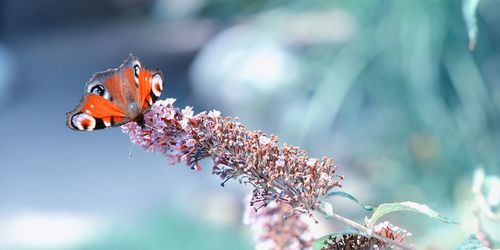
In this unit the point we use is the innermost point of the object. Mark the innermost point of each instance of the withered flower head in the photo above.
(353, 242)
(282, 174)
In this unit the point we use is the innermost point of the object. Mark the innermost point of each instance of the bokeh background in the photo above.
(387, 88)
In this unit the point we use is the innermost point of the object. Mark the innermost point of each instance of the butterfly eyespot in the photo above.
(157, 85)
(137, 68)
(83, 121)
(98, 89)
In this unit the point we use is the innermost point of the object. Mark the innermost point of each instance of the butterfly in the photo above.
(117, 96)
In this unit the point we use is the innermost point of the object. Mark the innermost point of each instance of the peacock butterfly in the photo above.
(117, 96)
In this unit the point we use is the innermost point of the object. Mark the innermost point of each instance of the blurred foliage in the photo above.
(405, 107)
(469, 11)
(405, 90)
(472, 243)
(170, 229)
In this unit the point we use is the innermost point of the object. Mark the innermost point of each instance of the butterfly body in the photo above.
(116, 96)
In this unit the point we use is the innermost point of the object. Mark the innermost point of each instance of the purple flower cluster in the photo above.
(274, 230)
(277, 174)
(169, 131)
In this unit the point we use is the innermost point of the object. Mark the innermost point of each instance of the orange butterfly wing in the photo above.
(150, 87)
(95, 112)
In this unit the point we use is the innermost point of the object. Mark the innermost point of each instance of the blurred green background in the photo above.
(389, 89)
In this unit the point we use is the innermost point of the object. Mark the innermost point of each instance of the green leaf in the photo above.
(386, 208)
(472, 243)
(469, 8)
(320, 243)
(327, 209)
(350, 197)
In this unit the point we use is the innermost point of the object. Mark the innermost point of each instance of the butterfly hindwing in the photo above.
(150, 84)
(95, 112)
